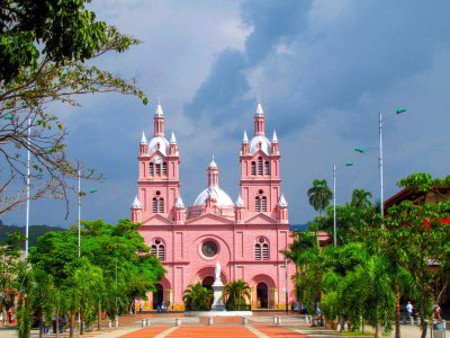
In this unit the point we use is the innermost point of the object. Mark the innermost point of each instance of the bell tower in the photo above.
(260, 170)
(159, 174)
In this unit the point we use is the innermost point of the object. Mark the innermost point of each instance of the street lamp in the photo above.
(348, 164)
(398, 111)
(80, 194)
(287, 283)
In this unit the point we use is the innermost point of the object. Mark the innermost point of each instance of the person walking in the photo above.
(409, 310)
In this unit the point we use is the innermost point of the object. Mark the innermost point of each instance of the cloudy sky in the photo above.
(323, 69)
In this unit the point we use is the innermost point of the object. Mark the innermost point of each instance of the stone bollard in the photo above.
(274, 319)
(279, 321)
(244, 321)
(307, 319)
(109, 323)
(177, 322)
(411, 320)
(210, 321)
(116, 322)
(144, 323)
(148, 322)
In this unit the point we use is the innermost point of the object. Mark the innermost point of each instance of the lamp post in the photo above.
(287, 284)
(79, 210)
(380, 157)
(27, 222)
(334, 199)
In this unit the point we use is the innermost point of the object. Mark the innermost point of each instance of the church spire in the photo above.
(213, 174)
(143, 138)
(245, 138)
(259, 120)
(158, 121)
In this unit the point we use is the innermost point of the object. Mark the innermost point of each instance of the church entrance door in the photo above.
(262, 296)
(158, 296)
(208, 282)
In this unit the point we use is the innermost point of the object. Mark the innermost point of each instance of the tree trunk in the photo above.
(397, 311)
(377, 331)
(99, 316)
(81, 323)
(57, 321)
(72, 324)
(41, 325)
(424, 325)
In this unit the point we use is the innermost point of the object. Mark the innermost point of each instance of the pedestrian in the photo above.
(437, 312)
(61, 325)
(54, 322)
(409, 310)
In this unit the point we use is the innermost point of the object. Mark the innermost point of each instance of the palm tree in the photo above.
(236, 294)
(361, 199)
(319, 195)
(197, 298)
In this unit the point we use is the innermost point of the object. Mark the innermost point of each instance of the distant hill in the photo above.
(298, 227)
(34, 231)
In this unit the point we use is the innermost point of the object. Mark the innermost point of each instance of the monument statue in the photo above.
(218, 271)
(218, 286)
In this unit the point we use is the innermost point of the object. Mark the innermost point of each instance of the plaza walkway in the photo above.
(259, 325)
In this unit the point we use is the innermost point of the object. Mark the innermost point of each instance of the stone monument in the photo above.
(218, 286)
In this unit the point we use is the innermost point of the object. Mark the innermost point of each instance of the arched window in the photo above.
(260, 166)
(155, 205)
(161, 205)
(157, 248)
(254, 168)
(263, 202)
(257, 252)
(265, 251)
(164, 169)
(151, 169)
(158, 169)
(267, 168)
(257, 204)
(262, 249)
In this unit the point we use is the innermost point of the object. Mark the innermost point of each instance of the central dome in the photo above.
(222, 198)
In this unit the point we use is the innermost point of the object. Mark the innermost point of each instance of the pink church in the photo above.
(246, 237)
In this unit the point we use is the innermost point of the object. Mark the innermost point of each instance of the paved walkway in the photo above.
(260, 325)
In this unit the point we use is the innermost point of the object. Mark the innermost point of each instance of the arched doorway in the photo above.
(262, 295)
(158, 296)
(208, 281)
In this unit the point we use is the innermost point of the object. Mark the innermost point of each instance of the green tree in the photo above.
(197, 298)
(237, 293)
(361, 199)
(115, 268)
(319, 195)
(43, 47)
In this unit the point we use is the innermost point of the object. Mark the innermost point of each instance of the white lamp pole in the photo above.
(348, 164)
(27, 221)
(79, 212)
(380, 165)
(334, 207)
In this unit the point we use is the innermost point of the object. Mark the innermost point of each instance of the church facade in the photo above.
(245, 236)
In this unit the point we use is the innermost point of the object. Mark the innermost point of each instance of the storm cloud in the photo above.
(323, 70)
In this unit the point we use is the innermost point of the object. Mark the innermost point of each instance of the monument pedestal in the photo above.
(218, 304)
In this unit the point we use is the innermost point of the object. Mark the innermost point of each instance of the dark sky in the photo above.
(322, 69)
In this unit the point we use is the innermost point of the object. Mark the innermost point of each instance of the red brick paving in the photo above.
(277, 331)
(146, 332)
(211, 331)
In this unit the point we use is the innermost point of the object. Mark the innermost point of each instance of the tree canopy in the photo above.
(43, 47)
(319, 195)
